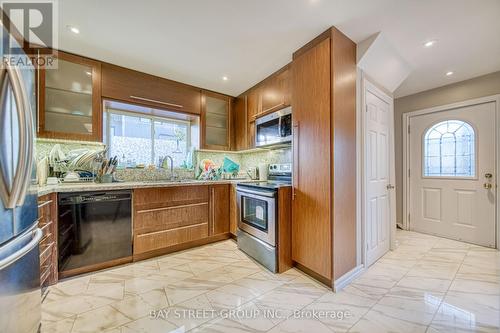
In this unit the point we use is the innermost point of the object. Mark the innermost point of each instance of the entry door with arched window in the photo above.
(452, 174)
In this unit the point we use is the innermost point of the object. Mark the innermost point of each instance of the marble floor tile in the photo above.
(376, 322)
(427, 284)
(410, 305)
(247, 318)
(424, 283)
(468, 312)
(230, 296)
(150, 325)
(99, 320)
(291, 296)
(61, 326)
(183, 290)
(435, 269)
(475, 286)
(343, 309)
(301, 326)
(191, 313)
(446, 255)
(138, 306)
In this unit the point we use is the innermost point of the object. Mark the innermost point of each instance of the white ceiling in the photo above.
(199, 41)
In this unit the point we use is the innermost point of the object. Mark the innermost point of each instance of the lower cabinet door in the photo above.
(219, 209)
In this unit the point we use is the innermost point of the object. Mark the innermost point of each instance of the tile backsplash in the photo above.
(245, 159)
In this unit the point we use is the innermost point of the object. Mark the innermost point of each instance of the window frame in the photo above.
(476, 152)
(152, 118)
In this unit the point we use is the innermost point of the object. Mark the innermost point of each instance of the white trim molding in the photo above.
(347, 278)
(406, 150)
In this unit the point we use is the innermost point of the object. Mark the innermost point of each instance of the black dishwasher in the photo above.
(93, 228)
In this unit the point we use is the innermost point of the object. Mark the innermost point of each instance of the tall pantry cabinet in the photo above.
(324, 156)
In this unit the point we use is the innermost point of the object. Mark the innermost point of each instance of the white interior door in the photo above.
(452, 174)
(378, 122)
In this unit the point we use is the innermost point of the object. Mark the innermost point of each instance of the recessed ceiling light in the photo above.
(450, 73)
(429, 43)
(74, 30)
(225, 78)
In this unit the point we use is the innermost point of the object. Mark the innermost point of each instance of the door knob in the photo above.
(390, 187)
(487, 186)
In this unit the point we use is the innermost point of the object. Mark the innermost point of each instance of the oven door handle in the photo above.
(257, 193)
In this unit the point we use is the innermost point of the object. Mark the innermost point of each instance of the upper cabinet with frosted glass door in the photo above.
(69, 98)
(216, 120)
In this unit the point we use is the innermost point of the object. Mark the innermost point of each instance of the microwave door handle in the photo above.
(29, 137)
(10, 196)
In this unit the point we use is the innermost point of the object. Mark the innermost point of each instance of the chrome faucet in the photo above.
(162, 165)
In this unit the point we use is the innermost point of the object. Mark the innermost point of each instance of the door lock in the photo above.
(488, 175)
(390, 187)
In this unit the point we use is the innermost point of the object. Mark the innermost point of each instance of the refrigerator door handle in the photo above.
(4, 190)
(10, 197)
(7, 261)
(29, 132)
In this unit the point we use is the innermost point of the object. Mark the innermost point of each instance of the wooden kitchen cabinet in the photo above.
(168, 219)
(275, 92)
(219, 217)
(233, 211)
(169, 216)
(216, 121)
(124, 84)
(324, 140)
(240, 122)
(47, 222)
(253, 108)
(69, 99)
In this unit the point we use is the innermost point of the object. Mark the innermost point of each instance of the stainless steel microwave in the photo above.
(274, 128)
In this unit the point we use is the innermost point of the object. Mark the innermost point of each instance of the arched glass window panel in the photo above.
(449, 150)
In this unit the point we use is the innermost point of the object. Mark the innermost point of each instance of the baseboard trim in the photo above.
(347, 278)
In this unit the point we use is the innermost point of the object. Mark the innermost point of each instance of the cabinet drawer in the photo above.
(128, 85)
(167, 218)
(151, 198)
(162, 239)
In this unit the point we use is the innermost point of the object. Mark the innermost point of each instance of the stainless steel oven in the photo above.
(258, 213)
(274, 128)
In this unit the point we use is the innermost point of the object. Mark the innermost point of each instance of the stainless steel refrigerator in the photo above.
(20, 294)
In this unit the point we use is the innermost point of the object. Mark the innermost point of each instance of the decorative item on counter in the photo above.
(263, 171)
(188, 162)
(42, 171)
(230, 167)
(253, 173)
(209, 171)
(107, 170)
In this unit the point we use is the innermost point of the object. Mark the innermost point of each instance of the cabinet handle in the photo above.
(156, 101)
(169, 208)
(213, 210)
(295, 137)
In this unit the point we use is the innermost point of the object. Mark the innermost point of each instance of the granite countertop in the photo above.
(82, 187)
